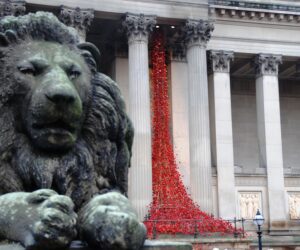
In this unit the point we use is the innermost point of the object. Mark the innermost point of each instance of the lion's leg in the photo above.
(40, 220)
(109, 222)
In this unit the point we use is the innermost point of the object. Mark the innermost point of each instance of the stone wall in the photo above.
(244, 125)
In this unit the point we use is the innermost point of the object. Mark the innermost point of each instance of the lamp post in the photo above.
(259, 221)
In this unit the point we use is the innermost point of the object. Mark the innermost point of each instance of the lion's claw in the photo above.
(40, 195)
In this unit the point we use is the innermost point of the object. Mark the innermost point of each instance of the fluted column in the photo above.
(197, 34)
(78, 18)
(222, 141)
(140, 187)
(269, 135)
(12, 8)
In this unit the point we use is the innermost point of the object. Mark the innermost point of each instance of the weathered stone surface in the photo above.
(11, 247)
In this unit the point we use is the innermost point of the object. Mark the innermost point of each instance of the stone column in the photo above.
(178, 75)
(78, 18)
(197, 34)
(222, 141)
(12, 8)
(140, 187)
(269, 135)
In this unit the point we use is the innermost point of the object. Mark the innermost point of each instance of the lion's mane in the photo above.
(99, 160)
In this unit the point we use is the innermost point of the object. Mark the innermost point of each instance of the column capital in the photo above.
(78, 18)
(219, 60)
(138, 26)
(12, 8)
(197, 32)
(267, 64)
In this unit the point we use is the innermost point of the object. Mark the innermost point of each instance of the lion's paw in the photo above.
(55, 226)
(108, 222)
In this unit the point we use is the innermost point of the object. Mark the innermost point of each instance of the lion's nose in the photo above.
(61, 97)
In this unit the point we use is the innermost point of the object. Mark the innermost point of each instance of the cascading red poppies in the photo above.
(172, 209)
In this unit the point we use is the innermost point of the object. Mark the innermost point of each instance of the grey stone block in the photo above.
(149, 245)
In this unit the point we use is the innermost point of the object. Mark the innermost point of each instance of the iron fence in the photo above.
(238, 226)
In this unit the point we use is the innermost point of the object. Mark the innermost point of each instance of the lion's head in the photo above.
(57, 84)
(63, 124)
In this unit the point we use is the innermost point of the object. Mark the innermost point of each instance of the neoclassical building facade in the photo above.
(234, 79)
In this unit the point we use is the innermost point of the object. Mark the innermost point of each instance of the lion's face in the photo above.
(56, 85)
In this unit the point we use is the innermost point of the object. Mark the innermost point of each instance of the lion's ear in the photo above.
(91, 54)
(7, 38)
(3, 40)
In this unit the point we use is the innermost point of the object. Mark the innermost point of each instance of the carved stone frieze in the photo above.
(78, 18)
(12, 8)
(249, 202)
(197, 32)
(267, 64)
(294, 205)
(219, 60)
(138, 25)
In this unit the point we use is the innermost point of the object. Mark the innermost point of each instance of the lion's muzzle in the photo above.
(56, 116)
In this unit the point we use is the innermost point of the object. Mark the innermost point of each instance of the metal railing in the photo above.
(238, 226)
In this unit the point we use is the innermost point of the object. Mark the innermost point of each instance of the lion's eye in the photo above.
(27, 70)
(74, 74)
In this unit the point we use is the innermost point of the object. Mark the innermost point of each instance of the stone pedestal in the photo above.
(140, 174)
(269, 135)
(197, 34)
(149, 245)
(222, 141)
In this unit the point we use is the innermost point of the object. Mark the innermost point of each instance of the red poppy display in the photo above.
(172, 210)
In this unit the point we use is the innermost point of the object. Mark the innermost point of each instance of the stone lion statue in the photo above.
(65, 141)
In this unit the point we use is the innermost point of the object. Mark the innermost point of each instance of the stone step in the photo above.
(166, 245)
